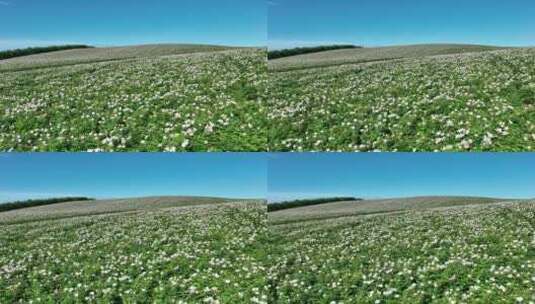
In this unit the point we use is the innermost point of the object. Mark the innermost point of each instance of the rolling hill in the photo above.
(437, 250)
(139, 98)
(95, 207)
(157, 249)
(102, 54)
(408, 98)
(372, 54)
(379, 206)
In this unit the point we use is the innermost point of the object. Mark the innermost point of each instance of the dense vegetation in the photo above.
(226, 253)
(195, 254)
(475, 254)
(210, 101)
(39, 202)
(36, 50)
(307, 50)
(478, 101)
(307, 202)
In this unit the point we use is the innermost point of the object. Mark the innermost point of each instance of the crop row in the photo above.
(182, 255)
(199, 102)
(457, 255)
(471, 102)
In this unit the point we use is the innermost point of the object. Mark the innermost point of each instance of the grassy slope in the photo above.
(145, 104)
(69, 57)
(349, 56)
(150, 256)
(84, 208)
(352, 208)
(464, 254)
(413, 104)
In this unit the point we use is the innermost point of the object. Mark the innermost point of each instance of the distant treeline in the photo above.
(306, 50)
(39, 202)
(36, 50)
(308, 202)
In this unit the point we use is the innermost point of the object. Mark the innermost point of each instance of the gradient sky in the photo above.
(102, 175)
(383, 175)
(391, 22)
(124, 22)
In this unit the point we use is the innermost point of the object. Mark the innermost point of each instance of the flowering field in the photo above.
(101, 54)
(371, 54)
(343, 209)
(462, 254)
(482, 101)
(191, 102)
(207, 254)
(95, 207)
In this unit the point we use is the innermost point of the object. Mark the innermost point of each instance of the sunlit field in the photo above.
(135, 99)
(387, 100)
(189, 251)
(474, 253)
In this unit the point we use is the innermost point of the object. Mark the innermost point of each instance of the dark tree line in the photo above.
(306, 50)
(39, 202)
(308, 202)
(36, 50)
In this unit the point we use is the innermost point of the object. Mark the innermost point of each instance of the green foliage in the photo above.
(307, 202)
(206, 254)
(39, 202)
(232, 253)
(307, 50)
(481, 101)
(202, 102)
(476, 254)
(37, 50)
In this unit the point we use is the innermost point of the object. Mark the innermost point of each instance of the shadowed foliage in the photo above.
(37, 50)
(308, 202)
(39, 202)
(307, 50)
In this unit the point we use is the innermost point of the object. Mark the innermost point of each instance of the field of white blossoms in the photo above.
(200, 254)
(190, 102)
(461, 254)
(481, 101)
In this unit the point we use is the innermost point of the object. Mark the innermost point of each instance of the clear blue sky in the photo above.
(381, 175)
(125, 22)
(37, 175)
(391, 22)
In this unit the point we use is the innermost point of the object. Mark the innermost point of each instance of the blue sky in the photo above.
(391, 22)
(277, 176)
(36, 175)
(125, 22)
(382, 175)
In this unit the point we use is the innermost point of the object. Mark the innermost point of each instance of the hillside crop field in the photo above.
(76, 56)
(472, 253)
(151, 98)
(363, 55)
(413, 98)
(88, 208)
(191, 253)
(343, 209)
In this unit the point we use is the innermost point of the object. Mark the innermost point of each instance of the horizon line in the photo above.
(99, 45)
(313, 44)
(97, 198)
(368, 198)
